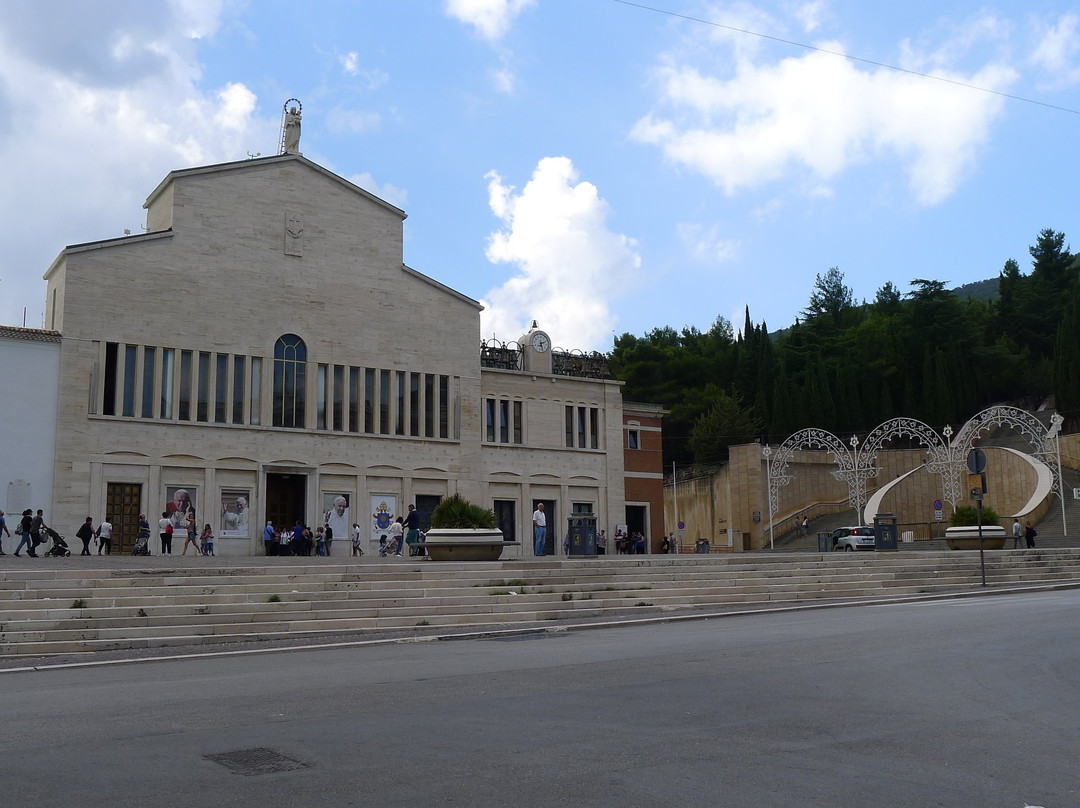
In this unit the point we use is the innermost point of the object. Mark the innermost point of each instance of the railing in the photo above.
(578, 363)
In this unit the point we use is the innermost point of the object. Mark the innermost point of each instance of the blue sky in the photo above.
(593, 165)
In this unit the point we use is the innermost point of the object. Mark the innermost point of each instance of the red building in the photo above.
(644, 466)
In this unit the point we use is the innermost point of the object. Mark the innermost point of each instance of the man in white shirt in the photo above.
(539, 529)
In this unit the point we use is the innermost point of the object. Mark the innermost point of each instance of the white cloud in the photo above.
(1058, 52)
(350, 63)
(706, 245)
(570, 266)
(491, 18)
(809, 118)
(352, 121)
(503, 80)
(103, 101)
(810, 15)
(398, 197)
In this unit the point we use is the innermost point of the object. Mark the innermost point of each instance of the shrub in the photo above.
(966, 516)
(458, 512)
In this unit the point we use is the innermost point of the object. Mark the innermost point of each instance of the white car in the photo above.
(853, 538)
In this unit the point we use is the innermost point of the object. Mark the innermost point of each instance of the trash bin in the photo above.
(702, 546)
(824, 542)
(582, 530)
(885, 532)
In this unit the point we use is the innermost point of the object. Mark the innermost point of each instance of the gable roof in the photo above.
(247, 165)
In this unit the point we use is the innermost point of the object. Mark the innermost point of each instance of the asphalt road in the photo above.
(958, 703)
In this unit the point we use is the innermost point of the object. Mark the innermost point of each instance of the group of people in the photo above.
(301, 540)
(633, 543)
(31, 530)
(403, 532)
(1028, 533)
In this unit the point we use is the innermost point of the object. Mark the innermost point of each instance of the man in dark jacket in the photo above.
(86, 532)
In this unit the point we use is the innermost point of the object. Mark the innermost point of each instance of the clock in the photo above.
(540, 342)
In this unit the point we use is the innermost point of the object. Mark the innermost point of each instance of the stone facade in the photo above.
(263, 341)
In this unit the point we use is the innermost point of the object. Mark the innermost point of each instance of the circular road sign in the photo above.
(937, 504)
(682, 525)
(976, 461)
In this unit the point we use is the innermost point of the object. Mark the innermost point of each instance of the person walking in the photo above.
(165, 531)
(411, 526)
(3, 531)
(357, 547)
(1029, 536)
(1017, 531)
(539, 529)
(25, 523)
(104, 536)
(269, 539)
(191, 539)
(397, 536)
(86, 533)
(36, 526)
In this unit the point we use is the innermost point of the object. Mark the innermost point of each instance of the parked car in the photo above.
(853, 538)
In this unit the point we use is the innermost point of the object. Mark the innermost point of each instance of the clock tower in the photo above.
(536, 350)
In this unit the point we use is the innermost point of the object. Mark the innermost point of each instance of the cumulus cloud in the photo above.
(398, 197)
(809, 118)
(570, 267)
(342, 120)
(1057, 52)
(103, 101)
(706, 245)
(490, 18)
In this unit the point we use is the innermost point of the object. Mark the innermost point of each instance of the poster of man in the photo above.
(336, 514)
(234, 512)
(180, 509)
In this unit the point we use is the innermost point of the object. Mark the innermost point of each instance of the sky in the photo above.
(601, 167)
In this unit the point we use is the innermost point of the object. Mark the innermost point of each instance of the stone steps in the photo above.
(178, 607)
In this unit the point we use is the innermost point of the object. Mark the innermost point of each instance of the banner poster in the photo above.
(383, 514)
(181, 505)
(234, 512)
(335, 513)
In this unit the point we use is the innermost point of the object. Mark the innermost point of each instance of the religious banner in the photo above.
(383, 514)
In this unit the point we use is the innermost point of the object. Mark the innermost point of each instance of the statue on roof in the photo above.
(290, 128)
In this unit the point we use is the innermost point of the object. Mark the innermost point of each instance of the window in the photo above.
(399, 419)
(339, 398)
(221, 389)
(429, 405)
(570, 425)
(384, 402)
(256, 390)
(414, 404)
(185, 386)
(238, 390)
(517, 422)
(489, 412)
(444, 406)
(369, 400)
(149, 357)
(632, 439)
(354, 399)
(320, 397)
(130, 356)
(108, 405)
(204, 386)
(581, 507)
(594, 427)
(290, 380)
(504, 421)
(167, 368)
(581, 427)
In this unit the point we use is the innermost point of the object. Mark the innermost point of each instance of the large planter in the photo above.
(967, 538)
(478, 544)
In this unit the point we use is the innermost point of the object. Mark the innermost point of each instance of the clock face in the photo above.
(540, 343)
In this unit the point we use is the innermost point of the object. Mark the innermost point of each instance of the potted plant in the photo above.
(464, 531)
(963, 530)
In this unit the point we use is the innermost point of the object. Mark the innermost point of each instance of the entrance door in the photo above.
(554, 534)
(425, 506)
(637, 521)
(122, 503)
(285, 499)
(506, 516)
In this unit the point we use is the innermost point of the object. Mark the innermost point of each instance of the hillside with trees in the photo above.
(933, 354)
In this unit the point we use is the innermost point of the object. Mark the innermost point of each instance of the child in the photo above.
(206, 541)
(320, 541)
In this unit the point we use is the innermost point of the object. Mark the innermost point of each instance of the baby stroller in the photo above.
(142, 546)
(59, 547)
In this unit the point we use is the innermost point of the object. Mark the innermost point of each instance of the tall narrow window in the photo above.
(290, 381)
(185, 386)
(444, 406)
(632, 439)
(489, 419)
(429, 405)
(149, 355)
(320, 397)
(130, 363)
(369, 399)
(339, 397)
(204, 386)
(384, 402)
(399, 397)
(238, 389)
(581, 427)
(594, 427)
(569, 425)
(504, 421)
(221, 389)
(414, 404)
(108, 404)
(256, 391)
(517, 422)
(354, 399)
(167, 371)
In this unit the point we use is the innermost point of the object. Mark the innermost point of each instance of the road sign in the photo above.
(937, 504)
(682, 525)
(976, 461)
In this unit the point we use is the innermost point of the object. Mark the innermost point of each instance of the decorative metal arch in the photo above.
(946, 456)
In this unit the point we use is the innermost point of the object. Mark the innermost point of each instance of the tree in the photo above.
(727, 423)
(830, 296)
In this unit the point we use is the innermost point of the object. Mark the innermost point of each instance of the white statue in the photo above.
(292, 131)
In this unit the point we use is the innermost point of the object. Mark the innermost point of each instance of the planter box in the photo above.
(967, 538)
(481, 544)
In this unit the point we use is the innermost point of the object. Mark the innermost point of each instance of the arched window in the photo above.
(290, 363)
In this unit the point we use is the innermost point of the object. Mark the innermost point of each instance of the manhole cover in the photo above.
(256, 761)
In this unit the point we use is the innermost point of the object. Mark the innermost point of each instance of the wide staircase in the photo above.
(58, 610)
